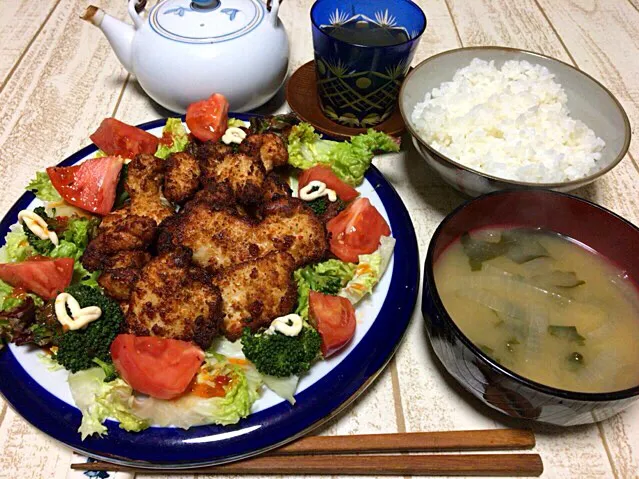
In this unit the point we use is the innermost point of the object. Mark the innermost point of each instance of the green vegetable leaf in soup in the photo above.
(480, 251)
(522, 247)
(568, 333)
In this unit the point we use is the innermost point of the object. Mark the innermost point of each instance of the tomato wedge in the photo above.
(334, 319)
(90, 185)
(42, 276)
(356, 230)
(119, 139)
(324, 174)
(208, 119)
(160, 367)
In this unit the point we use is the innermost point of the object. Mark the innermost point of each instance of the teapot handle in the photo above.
(135, 7)
(273, 7)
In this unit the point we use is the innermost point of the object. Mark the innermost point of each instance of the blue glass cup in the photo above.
(357, 83)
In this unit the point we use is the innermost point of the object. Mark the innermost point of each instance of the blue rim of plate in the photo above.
(261, 431)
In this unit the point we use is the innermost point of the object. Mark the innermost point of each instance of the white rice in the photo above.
(512, 123)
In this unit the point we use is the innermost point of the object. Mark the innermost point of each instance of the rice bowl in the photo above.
(512, 122)
(586, 100)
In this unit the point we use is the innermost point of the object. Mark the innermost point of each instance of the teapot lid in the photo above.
(206, 21)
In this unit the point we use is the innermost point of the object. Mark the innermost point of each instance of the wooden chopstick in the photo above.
(428, 465)
(330, 455)
(480, 440)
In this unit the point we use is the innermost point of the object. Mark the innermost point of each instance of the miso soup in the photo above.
(544, 306)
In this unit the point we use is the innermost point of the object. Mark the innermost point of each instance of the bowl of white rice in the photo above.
(493, 118)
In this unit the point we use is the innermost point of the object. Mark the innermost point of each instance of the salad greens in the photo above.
(369, 271)
(236, 122)
(42, 188)
(174, 129)
(99, 400)
(328, 277)
(348, 160)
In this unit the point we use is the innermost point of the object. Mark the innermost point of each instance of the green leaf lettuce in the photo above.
(348, 160)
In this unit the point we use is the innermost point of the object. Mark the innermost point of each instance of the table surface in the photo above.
(59, 79)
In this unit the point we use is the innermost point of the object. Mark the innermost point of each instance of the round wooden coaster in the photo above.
(301, 95)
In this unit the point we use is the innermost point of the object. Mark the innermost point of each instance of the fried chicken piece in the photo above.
(220, 238)
(275, 186)
(202, 151)
(134, 226)
(244, 174)
(144, 180)
(174, 299)
(268, 147)
(121, 271)
(256, 292)
(118, 232)
(182, 177)
(119, 283)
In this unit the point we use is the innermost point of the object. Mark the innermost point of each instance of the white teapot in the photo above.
(184, 50)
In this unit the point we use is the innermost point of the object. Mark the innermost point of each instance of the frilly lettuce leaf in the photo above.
(237, 123)
(348, 160)
(98, 401)
(16, 247)
(175, 130)
(369, 271)
(42, 188)
(328, 277)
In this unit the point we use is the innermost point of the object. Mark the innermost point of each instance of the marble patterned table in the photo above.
(59, 79)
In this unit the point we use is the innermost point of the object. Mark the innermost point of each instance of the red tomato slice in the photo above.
(44, 277)
(119, 139)
(356, 230)
(90, 185)
(160, 367)
(324, 174)
(334, 319)
(208, 119)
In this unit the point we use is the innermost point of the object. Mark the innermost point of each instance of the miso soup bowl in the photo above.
(493, 384)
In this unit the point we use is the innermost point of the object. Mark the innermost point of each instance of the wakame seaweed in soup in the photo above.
(544, 306)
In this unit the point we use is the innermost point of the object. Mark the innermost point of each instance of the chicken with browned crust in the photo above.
(220, 238)
(182, 177)
(268, 147)
(256, 292)
(130, 229)
(175, 299)
(121, 271)
(244, 174)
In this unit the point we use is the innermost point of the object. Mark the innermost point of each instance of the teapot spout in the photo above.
(119, 34)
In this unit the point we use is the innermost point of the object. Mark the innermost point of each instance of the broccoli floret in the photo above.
(111, 374)
(318, 205)
(41, 246)
(279, 355)
(77, 349)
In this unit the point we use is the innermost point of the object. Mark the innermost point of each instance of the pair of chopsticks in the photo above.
(380, 454)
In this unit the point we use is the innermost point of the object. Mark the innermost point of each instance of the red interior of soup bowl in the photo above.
(610, 235)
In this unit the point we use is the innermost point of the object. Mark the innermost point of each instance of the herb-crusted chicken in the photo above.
(175, 299)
